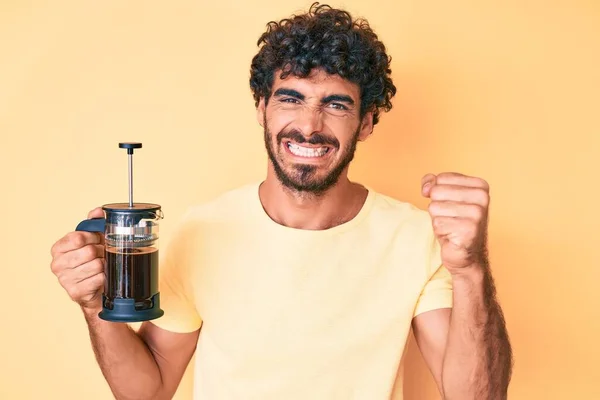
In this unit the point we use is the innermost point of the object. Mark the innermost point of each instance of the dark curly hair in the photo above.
(330, 39)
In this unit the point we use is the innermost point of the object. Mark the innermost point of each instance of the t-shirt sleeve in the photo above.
(177, 298)
(437, 292)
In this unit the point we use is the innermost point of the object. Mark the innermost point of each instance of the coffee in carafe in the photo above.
(132, 275)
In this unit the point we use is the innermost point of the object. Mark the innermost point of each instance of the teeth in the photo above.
(306, 151)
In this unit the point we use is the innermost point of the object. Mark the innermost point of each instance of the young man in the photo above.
(306, 285)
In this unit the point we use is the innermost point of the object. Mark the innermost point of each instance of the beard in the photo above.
(305, 178)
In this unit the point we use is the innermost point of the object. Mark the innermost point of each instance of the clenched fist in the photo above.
(459, 213)
(78, 263)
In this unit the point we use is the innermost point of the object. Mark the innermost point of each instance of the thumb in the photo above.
(96, 213)
(427, 182)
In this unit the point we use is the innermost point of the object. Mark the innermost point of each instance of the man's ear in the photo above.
(366, 126)
(260, 112)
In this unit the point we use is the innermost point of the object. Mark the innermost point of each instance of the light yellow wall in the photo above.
(508, 91)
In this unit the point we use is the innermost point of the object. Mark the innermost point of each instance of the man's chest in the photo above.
(267, 295)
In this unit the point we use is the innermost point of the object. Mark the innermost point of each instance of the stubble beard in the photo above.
(301, 178)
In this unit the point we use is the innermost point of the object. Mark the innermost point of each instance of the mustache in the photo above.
(314, 139)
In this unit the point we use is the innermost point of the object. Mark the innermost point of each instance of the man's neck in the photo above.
(339, 204)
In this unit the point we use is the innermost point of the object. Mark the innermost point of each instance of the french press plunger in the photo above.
(131, 256)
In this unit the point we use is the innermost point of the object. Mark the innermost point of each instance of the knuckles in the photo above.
(89, 252)
(433, 208)
(63, 280)
(98, 265)
(472, 195)
(436, 192)
(99, 280)
(76, 239)
(55, 266)
(484, 184)
(483, 197)
(73, 291)
(54, 249)
(477, 212)
(81, 251)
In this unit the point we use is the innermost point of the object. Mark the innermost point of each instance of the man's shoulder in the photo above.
(231, 203)
(406, 225)
(390, 206)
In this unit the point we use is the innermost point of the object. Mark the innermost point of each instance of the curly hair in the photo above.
(330, 39)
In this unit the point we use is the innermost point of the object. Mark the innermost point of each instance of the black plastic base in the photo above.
(124, 311)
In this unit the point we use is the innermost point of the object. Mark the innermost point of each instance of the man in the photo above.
(306, 285)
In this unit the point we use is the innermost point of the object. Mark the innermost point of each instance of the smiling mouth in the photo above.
(307, 152)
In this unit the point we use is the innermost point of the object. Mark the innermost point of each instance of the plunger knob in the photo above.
(130, 146)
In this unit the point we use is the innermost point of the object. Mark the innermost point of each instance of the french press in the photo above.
(131, 255)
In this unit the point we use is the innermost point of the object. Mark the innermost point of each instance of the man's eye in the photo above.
(338, 106)
(290, 100)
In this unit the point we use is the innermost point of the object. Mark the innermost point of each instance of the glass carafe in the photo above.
(131, 235)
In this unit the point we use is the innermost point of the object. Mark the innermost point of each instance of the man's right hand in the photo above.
(78, 263)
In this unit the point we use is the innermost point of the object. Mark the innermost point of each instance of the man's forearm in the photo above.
(125, 360)
(478, 359)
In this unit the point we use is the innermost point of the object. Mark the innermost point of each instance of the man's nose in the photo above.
(310, 121)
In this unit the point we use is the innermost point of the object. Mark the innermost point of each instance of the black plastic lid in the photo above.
(137, 207)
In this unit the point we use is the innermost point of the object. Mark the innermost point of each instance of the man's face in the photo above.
(312, 126)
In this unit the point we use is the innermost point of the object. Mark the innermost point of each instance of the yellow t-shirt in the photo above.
(290, 314)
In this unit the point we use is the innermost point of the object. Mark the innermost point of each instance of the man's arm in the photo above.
(467, 348)
(146, 365)
(472, 358)
(478, 359)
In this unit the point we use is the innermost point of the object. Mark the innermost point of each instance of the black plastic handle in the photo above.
(92, 225)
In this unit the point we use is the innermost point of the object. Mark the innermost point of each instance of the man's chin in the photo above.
(305, 177)
(313, 184)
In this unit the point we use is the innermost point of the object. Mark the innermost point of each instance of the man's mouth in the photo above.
(307, 152)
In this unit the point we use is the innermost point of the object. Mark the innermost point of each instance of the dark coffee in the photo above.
(131, 273)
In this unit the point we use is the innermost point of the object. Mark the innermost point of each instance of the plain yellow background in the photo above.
(508, 91)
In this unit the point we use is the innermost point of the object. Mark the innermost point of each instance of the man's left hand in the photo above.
(459, 213)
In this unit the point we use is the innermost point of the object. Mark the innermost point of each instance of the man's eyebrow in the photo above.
(342, 98)
(288, 92)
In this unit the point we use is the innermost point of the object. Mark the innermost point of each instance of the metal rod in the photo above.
(130, 157)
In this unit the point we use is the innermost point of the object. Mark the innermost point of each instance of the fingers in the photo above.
(76, 258)
(93, 283)
(456, 210)
(427, 182)
(96, 213)
(84, 282)
(456, 179)
(87, 289)
(82, 272)
(78, 263)
(76, 240)
(459, 194)
(88, 270)
(459, 231)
